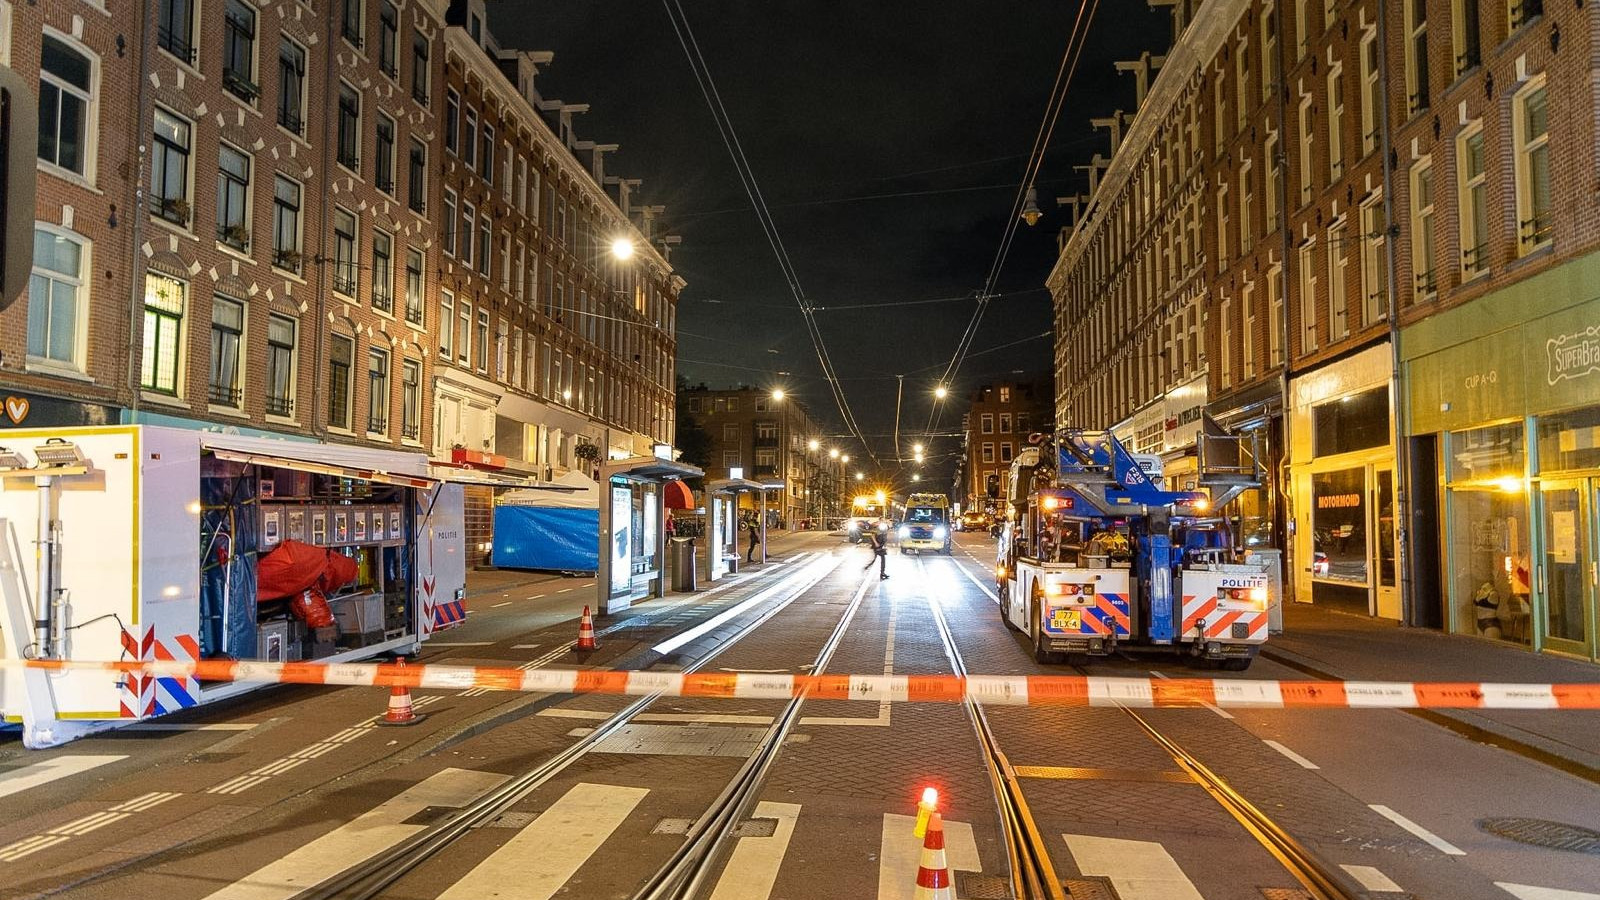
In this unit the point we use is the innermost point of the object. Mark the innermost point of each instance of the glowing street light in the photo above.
(622, 248)
(916, 448)
(813, 444)
(845, 459)
(777, 393)
(833, 452)
(941, 392)
(566, 395)
(860, 476)
(916, 476)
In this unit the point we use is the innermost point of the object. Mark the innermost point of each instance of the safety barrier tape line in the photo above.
(1005, 690)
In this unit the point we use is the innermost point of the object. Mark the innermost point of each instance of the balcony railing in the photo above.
(280, 406)
(240, 86)
(349, 160)
(410, 432)
(382, 301)
(235, 236)
(378, 424)
(171, 42)
(1534, 231)
(345, 281)
(1475, 259)
(287, 259)
(1427, 284)
(414, 314)
(173, 209)
(225, 395)
(1525, 11)
(291, 120)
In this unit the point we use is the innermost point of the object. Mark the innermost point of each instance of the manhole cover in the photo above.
(1089, 889)
(1545, 833)
(753, 828)
(974, 886)
(518, 820)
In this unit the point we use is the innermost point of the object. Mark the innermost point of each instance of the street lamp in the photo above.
(845, 459)
(860, 476)
(622, 248)
(916, 476)
(777, 393)
(941, 392)
(833, 452)
(916, 448)
(813, 444)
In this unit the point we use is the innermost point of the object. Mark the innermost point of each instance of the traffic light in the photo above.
(19, 145)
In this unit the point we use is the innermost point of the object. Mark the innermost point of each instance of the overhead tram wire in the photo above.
(1076, 41)
(730, 140)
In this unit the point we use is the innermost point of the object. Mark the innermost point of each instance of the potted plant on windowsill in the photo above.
(287, 259)
(173, 209)
(235, 235)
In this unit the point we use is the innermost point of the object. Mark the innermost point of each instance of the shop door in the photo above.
(1568, 576)
(1386, 548)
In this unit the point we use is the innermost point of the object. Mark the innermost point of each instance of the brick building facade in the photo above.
(997, 423)
(772, 439)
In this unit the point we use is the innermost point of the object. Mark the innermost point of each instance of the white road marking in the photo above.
(1371, 879)
(1298, 759)
(1218, 710)
(673, 643)
(83, 825)
(362, 838)
(882, 719)
(1439, 843)
(524, 646)
(1139, 870)
(541, 858)
(1529, 892)
(563, 590)
(172, 726)
(753, 867)
(900, 850)
(46, 771)
(535, 596)
(461, 643)
(498, 605)
(709, 718)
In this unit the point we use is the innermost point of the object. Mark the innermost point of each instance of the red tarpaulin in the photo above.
(678, 495)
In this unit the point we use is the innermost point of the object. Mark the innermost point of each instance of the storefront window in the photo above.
(1356, 422)
(1339, 532)
(1251, 520)
(1489, 456)
(1490, 570)
(1570, 441)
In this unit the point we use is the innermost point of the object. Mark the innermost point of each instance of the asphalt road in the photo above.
(271, 794)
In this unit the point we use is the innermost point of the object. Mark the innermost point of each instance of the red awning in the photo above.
(678, 495)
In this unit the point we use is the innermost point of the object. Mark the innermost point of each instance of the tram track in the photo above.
(1320, 879)
(372, 877)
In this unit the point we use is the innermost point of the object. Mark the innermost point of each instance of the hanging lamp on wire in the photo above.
(1030, 206)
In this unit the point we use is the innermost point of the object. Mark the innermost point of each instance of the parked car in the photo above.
(973, 521)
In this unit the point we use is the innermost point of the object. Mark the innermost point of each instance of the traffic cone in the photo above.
(933, 873)
(586, 632)
(400, 711)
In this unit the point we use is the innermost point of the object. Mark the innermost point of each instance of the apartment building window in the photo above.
(1225, 345)
(382, 271)
(341, 358)
(1275, 312)
(291, 86)
(502, 349)
(520, 279)
(1422, 268)
(1005, 423)
(1416, 55)
(1302, 29)
(988, 452)
(410, 399)
(1464, 34)
(57, 298)
(1374, 292)
(1241, 83)
(522, 185)
(280, 365)
(505, 262)
(175, 28)
(164, 302)
(1306, 264)
(987, 420)
(414, 286)
(469, 218)
(1247, 333)
(1338, 321)
(1531, 130)
(227, 335)
(463, 332)
(1246, 202)
(385, 153)
(1222, 229)
(447, 240)
(446, 329)
(730, 459)
(486, 158)
(239, 51)
(350, 21)
(1521, 12)
(1005, 452)
(1219, 97)
(1473, 201)
(452, 121)
(507, 167)
(349, 127)
(1269, 51)
(483, 340)
(377, 391)
(1371, 96)
(233, 197)
(1336, 123)
(286, 224)
(1274, 185)
(388, 39)
(1307, 139)
(419, 67)
(345, 267)
(417, 178)
(485, 245)
(169, 168)
(516, 356)
(469, 139)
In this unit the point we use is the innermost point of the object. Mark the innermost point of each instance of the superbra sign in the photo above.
(1574, 355)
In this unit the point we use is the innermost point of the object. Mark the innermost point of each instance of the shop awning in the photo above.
(323, 468)
(458, 475)
(678, 495)
(649, 468)
(735, 485)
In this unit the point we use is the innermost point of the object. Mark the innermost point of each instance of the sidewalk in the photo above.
(1358, 648)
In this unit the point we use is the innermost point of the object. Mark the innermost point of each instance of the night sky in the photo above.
(888, 139)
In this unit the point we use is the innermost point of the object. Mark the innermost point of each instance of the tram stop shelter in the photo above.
(633, 543)
(722, 524)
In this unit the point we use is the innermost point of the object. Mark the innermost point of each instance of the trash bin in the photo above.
(730, 561)
(683, 564)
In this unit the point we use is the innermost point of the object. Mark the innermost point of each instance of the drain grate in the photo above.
(1545, 833)
(1090, 889)
(1297, 894)
(518, 820)
(976, 886)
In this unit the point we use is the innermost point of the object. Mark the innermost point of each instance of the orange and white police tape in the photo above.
(999, 690)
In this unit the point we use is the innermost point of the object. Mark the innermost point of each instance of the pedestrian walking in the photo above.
(755, 539)
(880, 552)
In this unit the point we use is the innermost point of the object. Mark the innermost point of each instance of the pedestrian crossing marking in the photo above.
(752, 870)
(1372, 879)
(540, 859)
(1529, 892)
(39, 773)
(900, 852)
(1139, 870)
(359, 839)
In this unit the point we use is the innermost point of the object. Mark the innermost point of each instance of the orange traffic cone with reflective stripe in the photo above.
(400, 711)
(586, 632)
(933, 872)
